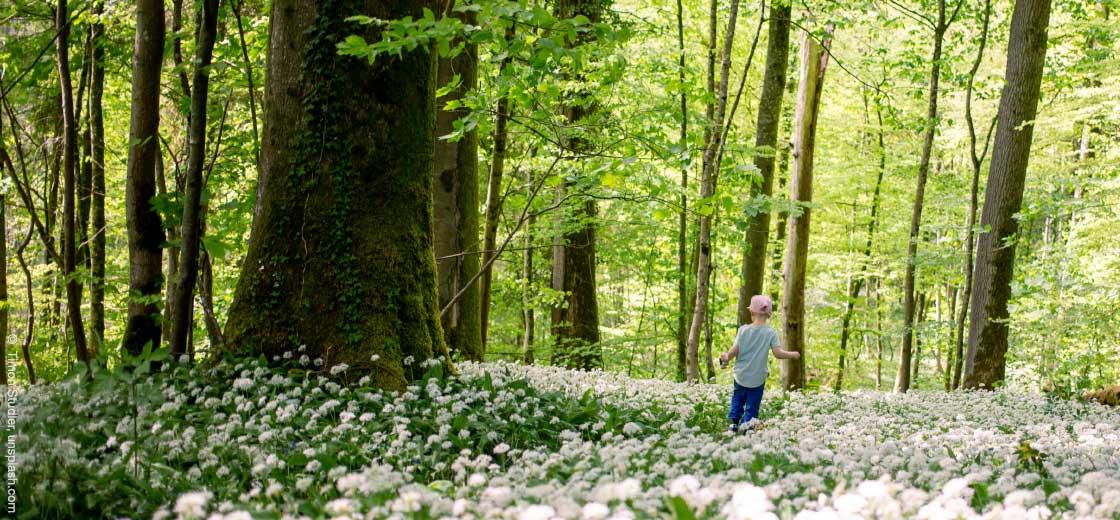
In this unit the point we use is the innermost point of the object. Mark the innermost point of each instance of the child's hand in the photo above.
(723, 358)
(796, 355)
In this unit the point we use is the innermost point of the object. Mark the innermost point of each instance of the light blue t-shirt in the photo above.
(754, 343)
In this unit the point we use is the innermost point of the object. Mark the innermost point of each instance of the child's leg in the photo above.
(738, 401)
(753, 401)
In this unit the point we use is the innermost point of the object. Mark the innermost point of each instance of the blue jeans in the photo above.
(745, 403)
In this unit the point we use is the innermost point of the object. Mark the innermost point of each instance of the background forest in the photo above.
(646, 80)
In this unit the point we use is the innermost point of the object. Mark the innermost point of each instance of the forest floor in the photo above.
(507, 441)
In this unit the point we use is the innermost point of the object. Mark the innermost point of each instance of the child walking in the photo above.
(752, 341)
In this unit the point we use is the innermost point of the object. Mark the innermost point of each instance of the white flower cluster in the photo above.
(463, 450)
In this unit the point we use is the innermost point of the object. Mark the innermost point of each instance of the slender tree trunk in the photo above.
(206, 294)
(145, 230)
(995, 254)
(70, 152)
(183, 304)
(857, 283)
(919, 318)
(177, 47)
(707, 190)
(494, 199)
(973, 200)
(902, 382)
(85, 171)
(456, 210)
(814, 61)
(341, 260)
(950, 354)
(874, 289)
(29, 335)
(766, 142)
(682, 233)
(235, 6)
(709, 366)
(528, 313)
(97, 183)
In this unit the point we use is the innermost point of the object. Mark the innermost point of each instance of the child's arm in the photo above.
(782, 353)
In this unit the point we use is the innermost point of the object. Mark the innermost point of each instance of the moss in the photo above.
(341, 260)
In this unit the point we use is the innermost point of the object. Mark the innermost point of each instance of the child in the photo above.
(749, 350)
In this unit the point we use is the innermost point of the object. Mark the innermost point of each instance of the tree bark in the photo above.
(97, 183)
(70, 152)
(456, 210)
(577, 340)
(814, 61)
(707, 190)
(528, 314)
(995, 255)
(902, 381)
(766, 142)
(145, 230)
(976, 160)
(682, 217)
(183, 303)
(919, 317)
(340, 266)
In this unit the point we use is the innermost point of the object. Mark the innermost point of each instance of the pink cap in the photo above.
(761, 305)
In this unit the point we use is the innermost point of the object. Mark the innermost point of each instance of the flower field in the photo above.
(526, 443)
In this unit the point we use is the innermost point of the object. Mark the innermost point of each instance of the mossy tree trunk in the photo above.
(340, 264)
(995, 253)
(456, 210)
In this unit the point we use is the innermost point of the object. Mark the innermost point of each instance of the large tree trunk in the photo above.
(813, 64)
(902, 381)
(707, 190)
(766, 142)
(456, 211)
(145, 230)
(577, 340)
(69, 190)
(995, 255)
(97, 183)
(973, 200)
(183, 303)
(340, 265)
